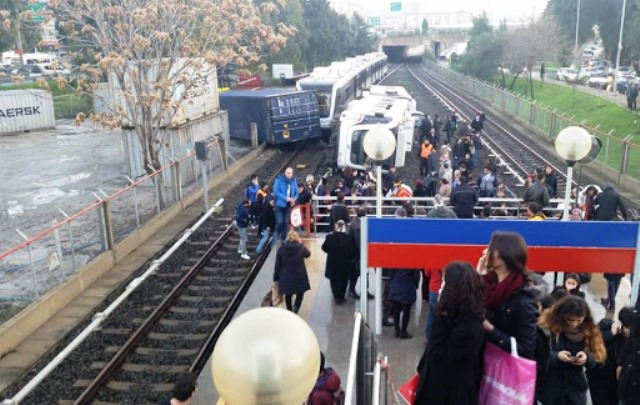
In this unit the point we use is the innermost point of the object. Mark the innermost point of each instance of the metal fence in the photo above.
(620, 153)
(45, 260)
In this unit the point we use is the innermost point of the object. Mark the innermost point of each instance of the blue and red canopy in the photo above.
(585, 247)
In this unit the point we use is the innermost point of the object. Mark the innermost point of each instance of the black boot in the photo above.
(354, 295)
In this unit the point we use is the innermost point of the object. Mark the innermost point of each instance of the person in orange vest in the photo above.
(426, 149)
(400, 190)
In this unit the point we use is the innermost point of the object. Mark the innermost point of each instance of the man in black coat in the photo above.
(463, 199)
(537, 192)
(608, 203)
(339, 211)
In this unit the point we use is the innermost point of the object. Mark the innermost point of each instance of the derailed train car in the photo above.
(281, 115)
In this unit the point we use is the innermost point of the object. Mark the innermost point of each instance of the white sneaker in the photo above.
(245, 256)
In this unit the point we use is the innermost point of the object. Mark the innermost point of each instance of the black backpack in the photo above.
(541, 355)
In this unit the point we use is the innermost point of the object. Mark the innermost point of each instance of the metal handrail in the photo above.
(375, 390)
(353, 360)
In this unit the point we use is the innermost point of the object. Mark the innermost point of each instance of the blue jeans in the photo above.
(433, 302)
(263, 240)
(282, 222)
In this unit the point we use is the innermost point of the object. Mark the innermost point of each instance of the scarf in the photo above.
(495, 293)
(573, 335)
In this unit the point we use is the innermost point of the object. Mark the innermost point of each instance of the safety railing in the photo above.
(618, 151)
(362, 364)
(501, 208)
(48, 257)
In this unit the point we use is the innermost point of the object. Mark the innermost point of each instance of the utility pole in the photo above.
(577, 28)
(617, 70)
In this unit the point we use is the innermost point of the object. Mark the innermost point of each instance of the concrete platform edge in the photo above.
(16, 330)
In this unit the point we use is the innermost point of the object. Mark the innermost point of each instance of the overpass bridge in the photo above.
(412, 47)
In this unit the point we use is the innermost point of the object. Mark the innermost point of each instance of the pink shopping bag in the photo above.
(507, 378)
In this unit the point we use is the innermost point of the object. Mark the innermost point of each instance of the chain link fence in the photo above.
(31, 269)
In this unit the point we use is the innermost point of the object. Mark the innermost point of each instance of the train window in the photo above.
(324, 103)
(358, 157)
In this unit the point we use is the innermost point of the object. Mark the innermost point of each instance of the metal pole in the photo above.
(615, 72)
(364, 270)
(205, 189)
(378, 327)
(575, 49)
(559, 276)
(73, 249)
(567, 194)
(636, 272)
(56, 238)
(33, 270)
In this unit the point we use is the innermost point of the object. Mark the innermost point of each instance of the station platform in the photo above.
(332, 324)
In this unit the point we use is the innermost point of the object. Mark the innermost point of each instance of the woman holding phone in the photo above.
(510, 304)
(576, 345)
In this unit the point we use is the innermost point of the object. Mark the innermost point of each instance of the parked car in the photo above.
(622, 83)
(575, 76)
(47, 70)
(599, 81)
(561, 72)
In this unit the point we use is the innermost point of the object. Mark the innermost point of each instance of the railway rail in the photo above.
(171, 323)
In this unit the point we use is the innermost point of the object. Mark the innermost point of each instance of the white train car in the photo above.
(387, 106)
(341, 82)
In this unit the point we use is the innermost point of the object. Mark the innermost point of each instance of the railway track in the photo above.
(172, 322)
(518, 157)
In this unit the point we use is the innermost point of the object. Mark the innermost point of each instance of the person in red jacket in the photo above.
(327, 390)
(435, 284)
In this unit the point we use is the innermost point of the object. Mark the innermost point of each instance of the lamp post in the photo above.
(617, 70)
(572, 144)
(577, 29)
(379, 144)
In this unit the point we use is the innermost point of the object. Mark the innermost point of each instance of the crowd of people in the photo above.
(467, 307)
(501, 300)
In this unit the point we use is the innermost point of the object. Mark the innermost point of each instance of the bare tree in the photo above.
(158, 55)
(535, 42)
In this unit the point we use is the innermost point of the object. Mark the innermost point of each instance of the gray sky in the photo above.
(496, 9)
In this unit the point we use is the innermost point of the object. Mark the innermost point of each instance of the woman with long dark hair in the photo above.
(451, 366)
(576, 344)
(510, 303)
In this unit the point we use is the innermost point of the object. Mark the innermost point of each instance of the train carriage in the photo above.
(341, 82)
(281, 115)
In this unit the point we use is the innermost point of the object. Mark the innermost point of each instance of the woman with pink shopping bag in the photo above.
(512, 315)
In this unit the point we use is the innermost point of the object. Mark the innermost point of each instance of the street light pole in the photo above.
(379, 144)
(577, 28)
(617, 70)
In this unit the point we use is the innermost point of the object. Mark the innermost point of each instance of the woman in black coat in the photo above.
(451, 366)
(290, 271)
(402, 285)
(341, 253)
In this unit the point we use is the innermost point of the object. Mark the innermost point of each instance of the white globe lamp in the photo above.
(572, 144)
(266, 356)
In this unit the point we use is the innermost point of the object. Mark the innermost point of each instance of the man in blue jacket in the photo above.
(285, 190)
